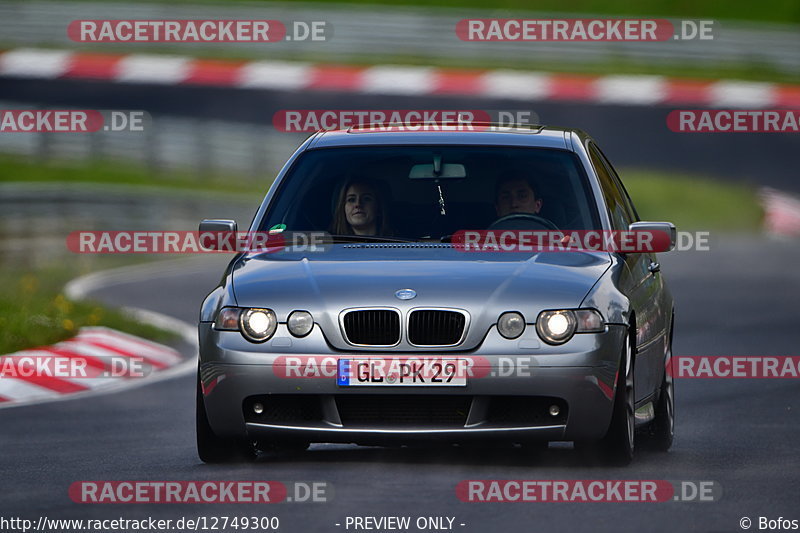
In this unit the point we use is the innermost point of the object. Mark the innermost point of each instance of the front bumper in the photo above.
(508, 399)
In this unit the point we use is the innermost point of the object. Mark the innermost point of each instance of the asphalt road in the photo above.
(737, 299)
(631, 136)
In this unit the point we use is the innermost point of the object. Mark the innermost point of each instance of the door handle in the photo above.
(654, 267)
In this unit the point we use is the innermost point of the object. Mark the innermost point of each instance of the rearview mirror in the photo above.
(448, 171)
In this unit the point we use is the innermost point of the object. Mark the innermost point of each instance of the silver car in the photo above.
(373, 324)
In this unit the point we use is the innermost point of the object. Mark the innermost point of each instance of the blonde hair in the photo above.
(340, 225)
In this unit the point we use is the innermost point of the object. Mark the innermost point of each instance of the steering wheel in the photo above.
(522, 221)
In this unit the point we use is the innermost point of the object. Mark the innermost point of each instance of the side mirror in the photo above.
(216, 227)
(656, 228)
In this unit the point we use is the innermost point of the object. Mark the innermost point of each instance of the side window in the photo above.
(625, 197)
(615, 203)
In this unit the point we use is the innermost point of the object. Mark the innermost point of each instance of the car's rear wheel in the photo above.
(214, 449)
(618, 444)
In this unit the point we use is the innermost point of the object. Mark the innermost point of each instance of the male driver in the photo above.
(516, 195)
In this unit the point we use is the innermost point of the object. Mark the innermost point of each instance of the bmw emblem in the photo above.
(406, 294)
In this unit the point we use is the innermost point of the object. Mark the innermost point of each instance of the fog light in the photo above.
(554, 410)
(300, 323)
(258, 408)
(511, 325)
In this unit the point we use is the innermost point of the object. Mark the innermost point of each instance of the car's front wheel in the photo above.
(661, 431)
(618, 444)
(214, 449)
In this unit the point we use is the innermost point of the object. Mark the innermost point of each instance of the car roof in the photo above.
(533, 136)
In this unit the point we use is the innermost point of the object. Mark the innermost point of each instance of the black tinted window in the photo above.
(311, 194)
(618, 181)
(615, 200)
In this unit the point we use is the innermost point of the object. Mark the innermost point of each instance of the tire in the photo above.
(617, 446)
(210, 447)
(661, 431)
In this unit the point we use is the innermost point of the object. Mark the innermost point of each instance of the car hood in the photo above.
(484, 285)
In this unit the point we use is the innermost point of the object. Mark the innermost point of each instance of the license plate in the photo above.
(411, 372)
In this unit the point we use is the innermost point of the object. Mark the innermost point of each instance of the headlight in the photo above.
(258, 325)
(511, 325)
(557, 327)
(300, 323)
(228, 319)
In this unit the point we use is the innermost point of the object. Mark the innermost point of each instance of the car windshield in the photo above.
(431, 192)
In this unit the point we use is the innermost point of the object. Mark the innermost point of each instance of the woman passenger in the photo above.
(360, 210)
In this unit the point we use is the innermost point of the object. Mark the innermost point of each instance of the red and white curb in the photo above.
(97, 349)
(99, 345)
(781, 213)
(395, 80)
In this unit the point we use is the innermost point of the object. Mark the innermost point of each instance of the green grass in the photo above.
(693, 202)
(20, 169)
(34, 311)
(33, 308)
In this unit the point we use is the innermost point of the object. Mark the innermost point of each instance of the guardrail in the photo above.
(380, 33)
(203, 147)
(36, 218)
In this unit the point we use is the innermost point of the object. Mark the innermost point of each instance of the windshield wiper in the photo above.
(368, 238)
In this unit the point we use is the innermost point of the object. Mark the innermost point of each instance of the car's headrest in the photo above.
(553, 210)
